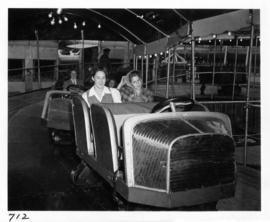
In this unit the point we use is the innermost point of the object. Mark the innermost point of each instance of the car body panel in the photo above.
(147, 157)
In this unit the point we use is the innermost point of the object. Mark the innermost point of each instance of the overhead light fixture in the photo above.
(83, 23)
(52, 21)
(230, 40)
(50, 15)
(65, 18)
(150, 56)
(209, 41)
(59, 11)
(219, 40)
(214, 36)
(60, 21)
(99, 26)
(161, 53)
(75, 25)
(241, 40)
(229, 33)
(155, 54)
(140, 16)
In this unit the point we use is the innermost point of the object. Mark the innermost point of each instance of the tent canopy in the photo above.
(224, 26)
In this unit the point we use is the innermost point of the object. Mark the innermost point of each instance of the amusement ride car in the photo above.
(170, 154)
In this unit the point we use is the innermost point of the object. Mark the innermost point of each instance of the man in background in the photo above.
(105, 62)
(73, 80)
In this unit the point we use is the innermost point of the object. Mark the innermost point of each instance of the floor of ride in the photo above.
(39, 173)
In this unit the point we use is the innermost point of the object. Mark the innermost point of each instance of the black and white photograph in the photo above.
(141, 109)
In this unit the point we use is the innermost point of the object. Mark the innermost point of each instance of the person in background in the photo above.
(73, 80)
(28, 80)
(104, 61)
(99, 93)
(112, 83)
(202, 89)
(88, 82)
(131, 88)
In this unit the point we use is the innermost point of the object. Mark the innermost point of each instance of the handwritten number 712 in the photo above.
(18, 217)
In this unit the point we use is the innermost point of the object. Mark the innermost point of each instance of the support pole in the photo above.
(225, 55)
(134, 61)
(173, 72)
(57, 69)
(193, 65)
(146, 71)
(38, 60)
(255, 64)
(142, 67)
(168, 75)
(235, 67)
(128, 55)
(248, 88)
(155, 73)
(82, 56)
(214, 69)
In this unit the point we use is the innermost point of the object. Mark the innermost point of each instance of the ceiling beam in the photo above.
(148, 23)
(117, 23)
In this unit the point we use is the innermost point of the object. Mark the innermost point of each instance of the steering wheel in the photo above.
(172, 104)
(75, 88)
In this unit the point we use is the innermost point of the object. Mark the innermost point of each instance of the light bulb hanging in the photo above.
(99, 26)
(83, 23)
(52, 21)
(60, 21)
(50, 15)
(59, 11)
(65, 18)
(75, 25)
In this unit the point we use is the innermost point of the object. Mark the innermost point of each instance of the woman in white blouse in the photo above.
(99, 93)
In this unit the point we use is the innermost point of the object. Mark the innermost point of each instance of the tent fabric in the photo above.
(205, 28)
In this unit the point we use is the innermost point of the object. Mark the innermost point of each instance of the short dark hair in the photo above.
(132, 74)
(70, 71)
(100, 69)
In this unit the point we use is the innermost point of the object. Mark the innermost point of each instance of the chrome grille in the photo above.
(201, 161)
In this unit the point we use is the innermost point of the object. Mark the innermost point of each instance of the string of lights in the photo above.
(60, 16)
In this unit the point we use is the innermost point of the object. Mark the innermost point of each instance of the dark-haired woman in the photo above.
(99, 93)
